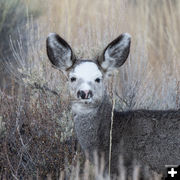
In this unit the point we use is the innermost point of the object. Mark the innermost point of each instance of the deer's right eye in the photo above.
(98, 80)
(73, 79)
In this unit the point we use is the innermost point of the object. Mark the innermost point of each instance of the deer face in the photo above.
(86, 77)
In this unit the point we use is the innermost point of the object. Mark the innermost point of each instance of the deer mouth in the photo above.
(83, 101)
(86, 101)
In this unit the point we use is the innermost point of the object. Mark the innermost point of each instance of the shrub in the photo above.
(33, 141)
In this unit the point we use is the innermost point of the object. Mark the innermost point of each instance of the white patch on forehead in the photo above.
(87, 71)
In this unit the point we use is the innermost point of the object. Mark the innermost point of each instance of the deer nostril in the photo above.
(84, 94)
(81, 94)
(90, 94)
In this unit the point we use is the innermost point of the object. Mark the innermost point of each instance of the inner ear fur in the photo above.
(116, 53)
(59, 52)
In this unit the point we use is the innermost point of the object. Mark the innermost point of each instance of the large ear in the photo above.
(116, 53)
(59, 52)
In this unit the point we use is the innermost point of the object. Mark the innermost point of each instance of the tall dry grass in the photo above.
(153, 66)
(149, 79)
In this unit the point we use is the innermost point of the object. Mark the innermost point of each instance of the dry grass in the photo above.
(150, 78)
(153, 66)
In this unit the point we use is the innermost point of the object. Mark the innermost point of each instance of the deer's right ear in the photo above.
(59, 52)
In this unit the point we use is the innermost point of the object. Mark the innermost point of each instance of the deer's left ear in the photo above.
(116, 53)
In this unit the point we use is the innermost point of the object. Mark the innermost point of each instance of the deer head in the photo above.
(86, 77)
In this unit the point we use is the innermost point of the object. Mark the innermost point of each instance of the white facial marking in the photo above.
(87, 71)
(81, 109)
(84, 86)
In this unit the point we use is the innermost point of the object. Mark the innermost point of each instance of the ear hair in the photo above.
(116, 53)
(59, 52)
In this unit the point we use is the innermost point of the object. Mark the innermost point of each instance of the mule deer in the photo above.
(152, 137)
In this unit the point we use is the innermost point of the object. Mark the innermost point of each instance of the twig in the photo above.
(44, 88)
(10, 165)
(110, 147)
(178, 95)
(111, 128)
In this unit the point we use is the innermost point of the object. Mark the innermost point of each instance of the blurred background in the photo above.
(33, 95)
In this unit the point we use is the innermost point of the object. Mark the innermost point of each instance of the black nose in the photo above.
(84, 94)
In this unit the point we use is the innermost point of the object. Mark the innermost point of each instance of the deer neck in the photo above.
(92, 128)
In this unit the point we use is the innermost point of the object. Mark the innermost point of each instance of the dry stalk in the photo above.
(49, 177)
(62, 176)
(13, 172)
(136, 172)
(178, 95)
(122, 168)
(112, 117)
(110, 146)
(86, 170)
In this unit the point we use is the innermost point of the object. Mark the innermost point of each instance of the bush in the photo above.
(32, 139)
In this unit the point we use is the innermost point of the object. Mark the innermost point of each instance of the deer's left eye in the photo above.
(73, 79)
(97, 80)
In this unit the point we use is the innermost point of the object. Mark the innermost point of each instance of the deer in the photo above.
(150, 136)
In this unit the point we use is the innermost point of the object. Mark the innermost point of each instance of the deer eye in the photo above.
(73, 79)
(97, 80)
